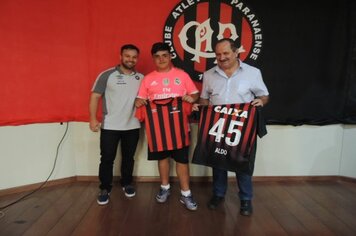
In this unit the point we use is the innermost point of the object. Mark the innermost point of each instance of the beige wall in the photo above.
(27, 153)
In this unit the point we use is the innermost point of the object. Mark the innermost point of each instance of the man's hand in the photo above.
(195, 107)
(94, 125)
(260, 101)
(257, 102)
(140, 102)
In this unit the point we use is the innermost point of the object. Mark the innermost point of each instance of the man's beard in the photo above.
(128, 67)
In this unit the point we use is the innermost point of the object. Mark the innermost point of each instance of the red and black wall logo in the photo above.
(193, 27)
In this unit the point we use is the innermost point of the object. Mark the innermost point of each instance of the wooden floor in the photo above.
(280, 208)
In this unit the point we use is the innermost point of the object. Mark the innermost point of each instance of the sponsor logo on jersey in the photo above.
(175, 109)
(231, 111)
(120, 80)
(154, 83)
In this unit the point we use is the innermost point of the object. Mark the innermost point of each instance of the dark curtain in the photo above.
(308, 61)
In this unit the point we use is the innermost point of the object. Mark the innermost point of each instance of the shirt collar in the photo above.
(121, 72)
(221, 72)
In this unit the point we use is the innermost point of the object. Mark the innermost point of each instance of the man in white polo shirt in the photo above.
(233, 82)
(117, 87)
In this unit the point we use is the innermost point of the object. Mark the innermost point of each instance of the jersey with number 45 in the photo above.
(226, 135)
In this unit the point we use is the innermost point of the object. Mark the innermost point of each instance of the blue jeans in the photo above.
(243, 179)
(244, 183)
(109, 141)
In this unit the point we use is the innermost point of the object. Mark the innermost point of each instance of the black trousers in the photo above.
(109, 141)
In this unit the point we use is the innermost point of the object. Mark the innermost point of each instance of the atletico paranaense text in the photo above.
(197, 37)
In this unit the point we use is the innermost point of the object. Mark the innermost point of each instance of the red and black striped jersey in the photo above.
(166, 123)
(226, 135)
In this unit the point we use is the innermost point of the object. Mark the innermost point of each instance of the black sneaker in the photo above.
(129, 191)
(246, 208)
(103, 197)
(215, 202)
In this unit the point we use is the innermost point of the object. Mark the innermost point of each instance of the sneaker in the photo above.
(189, 202)
(162, 195)
(129, 191)
(103, 197)
(246, 208)
(214, 202)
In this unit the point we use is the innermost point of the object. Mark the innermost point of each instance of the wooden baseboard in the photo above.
(143, 179)
(347, 179)
(294, 178)
(31, 187)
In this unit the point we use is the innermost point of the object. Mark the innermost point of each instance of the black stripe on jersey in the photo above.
(152, 126)
(172, 127)
(181, 120)
(161, 126)
(203, 121)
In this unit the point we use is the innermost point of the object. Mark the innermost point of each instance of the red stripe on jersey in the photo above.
(202, 124)
(167, 124)
(253, 140)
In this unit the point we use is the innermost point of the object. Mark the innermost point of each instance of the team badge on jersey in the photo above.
(177, 81)
(165, 81)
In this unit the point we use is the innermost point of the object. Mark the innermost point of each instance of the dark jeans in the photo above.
(109, 141)
(244, 183)
(243, 178)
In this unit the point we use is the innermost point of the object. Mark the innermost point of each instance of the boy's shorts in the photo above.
(179, 155)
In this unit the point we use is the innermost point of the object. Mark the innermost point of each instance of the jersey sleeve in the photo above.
(189, 85)
(100, 84)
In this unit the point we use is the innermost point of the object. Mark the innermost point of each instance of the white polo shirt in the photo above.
(118, 92)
